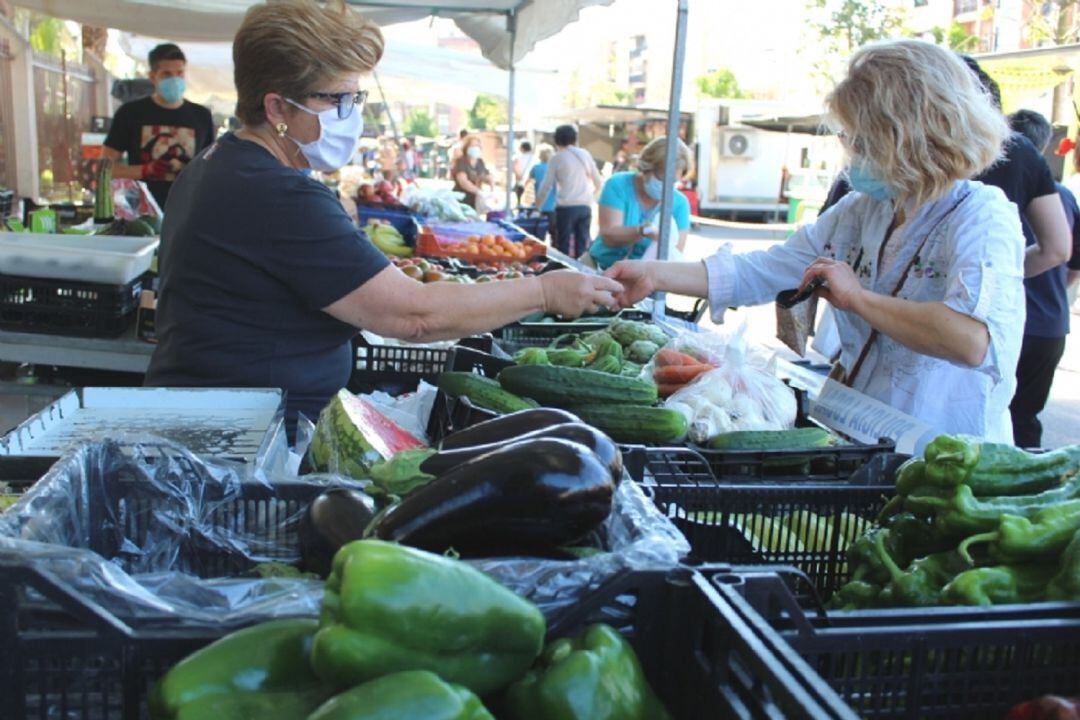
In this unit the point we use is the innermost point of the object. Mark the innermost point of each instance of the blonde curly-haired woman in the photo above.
(924, 266)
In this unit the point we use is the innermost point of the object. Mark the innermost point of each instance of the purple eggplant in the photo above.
(507, 427)
(528, 497)
(601, 445)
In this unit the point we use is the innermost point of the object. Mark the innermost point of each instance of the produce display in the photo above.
(973, 523)
(380, 195)
(352, 435)
(535, 482)
(386, 237)
(406, 634)
(479, 248)
(595, 676)
(441, 204)
(105, 213)
(455, 270)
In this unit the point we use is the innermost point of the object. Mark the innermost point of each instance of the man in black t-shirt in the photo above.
(162, 133)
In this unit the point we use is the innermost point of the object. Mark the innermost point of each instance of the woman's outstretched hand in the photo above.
(636, 280)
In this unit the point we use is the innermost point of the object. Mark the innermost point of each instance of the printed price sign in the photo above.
(868, 420)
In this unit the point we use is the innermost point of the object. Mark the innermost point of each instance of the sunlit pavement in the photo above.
(1061, 419)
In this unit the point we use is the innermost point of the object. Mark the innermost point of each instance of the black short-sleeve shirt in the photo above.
(250, 252)
(146, 132)
(1023, 175)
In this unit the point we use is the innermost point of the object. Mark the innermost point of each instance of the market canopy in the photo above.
(804, 124)
(616, 114)
(485, 21)
(1027, 74)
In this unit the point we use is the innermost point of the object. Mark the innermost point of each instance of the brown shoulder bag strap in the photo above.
(849, 378)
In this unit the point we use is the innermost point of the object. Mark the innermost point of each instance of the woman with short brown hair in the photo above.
(264, 278)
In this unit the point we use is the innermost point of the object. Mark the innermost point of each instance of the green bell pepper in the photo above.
(389, 608)
(409, 695)
(1018, 539)
(1066, 584)
(260, 671)
(999, 585)
(595, 676)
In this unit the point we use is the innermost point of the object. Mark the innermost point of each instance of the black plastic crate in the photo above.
(829, 463)
(67, 307)
(449, 415)
(396, 369)
(515, 336)
(704, 657)
(62, 655)
(955, 663)
(735, 519)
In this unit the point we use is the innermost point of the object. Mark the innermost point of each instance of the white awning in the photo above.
(485, 21)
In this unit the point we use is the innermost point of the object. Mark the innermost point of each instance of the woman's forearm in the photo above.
(621, 235)
(929, 328)
(448, 311)
(680, 278)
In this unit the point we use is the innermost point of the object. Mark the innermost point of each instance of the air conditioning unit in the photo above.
(738, 144)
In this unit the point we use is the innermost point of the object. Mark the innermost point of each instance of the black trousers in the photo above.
(1039, 358)
(572, 225)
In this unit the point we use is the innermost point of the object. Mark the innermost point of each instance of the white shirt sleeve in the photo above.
(756, 277)
(985, 280)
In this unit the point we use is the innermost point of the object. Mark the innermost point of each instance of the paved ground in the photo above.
(1061, 419)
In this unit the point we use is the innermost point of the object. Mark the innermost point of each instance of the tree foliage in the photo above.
(487, 113)
(1054, 22)
(955, 37)
(419, 122)
(719, 84)
(843, 26)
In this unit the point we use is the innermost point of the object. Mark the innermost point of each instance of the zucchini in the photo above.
(797, 439)
(483, 392)
(635, 424)
(103, 200)
(562, 386)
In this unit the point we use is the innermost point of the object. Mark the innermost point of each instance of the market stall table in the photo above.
(122, 354)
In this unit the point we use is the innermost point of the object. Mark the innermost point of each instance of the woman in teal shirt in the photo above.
(630, 202)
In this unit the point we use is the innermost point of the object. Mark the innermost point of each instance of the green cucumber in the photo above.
(562, 386)
(635, 424)
(483, 392)
(797, 439)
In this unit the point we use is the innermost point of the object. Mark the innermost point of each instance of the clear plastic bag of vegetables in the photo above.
(723, 392)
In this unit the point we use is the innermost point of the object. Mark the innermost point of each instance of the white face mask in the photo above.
(336, 143)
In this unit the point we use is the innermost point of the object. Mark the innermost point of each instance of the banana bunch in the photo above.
(387, 239)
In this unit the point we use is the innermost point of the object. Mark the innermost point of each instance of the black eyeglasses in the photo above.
(345, 101)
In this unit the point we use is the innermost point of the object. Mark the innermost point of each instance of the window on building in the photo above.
(921, 3)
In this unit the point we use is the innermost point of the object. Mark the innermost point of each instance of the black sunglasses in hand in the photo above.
(345, 101)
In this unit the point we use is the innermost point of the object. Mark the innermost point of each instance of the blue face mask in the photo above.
(654, 187)
(862, 180)
(171, 89)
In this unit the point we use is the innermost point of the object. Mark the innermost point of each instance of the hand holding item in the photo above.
(841, 286)
(156, 170)
(570, 294)
(636, 280)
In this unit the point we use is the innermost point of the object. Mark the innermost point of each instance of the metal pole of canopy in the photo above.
(511, 25)
(390, 115)
(667, 199)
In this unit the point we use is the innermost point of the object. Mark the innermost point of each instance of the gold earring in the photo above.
(282, 128)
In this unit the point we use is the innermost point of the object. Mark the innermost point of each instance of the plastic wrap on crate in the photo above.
(60, 525)
(636, 536)
(142, 562)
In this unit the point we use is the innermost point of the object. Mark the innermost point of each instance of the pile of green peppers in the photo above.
(972, 523)
(598, 350)
(408, 635)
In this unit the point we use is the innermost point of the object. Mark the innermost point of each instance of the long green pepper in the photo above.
(1017, 538)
